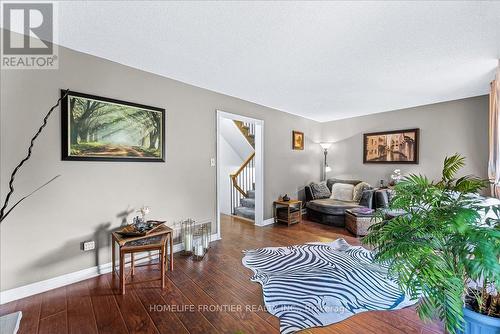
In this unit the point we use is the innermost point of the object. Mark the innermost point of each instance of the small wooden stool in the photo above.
(156, 241)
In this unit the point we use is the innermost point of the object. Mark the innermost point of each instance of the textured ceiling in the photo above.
(320, 60)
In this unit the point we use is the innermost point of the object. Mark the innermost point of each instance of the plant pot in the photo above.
(477, 323)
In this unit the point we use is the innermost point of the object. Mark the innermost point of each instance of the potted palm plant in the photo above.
(445, 249)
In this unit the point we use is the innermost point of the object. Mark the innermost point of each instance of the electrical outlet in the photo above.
(212, 162)
(88, 245)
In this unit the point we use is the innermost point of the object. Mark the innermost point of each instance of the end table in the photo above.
(155, 241)
(289, 212)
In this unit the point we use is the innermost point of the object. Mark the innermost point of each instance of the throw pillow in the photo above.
(367, 198)
(342, 191)
(358, 191)
(332, 181)
(319, 190)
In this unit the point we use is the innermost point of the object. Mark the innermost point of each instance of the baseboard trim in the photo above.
(266, 222)
(66, 279)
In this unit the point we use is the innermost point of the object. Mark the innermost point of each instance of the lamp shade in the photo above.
(325, 145)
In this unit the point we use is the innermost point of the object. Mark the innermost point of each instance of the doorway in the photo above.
(240, 191)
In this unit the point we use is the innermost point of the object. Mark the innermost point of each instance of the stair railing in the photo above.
(242, 181)
(247, 130)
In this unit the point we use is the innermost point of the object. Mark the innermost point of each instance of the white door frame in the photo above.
(259, 164)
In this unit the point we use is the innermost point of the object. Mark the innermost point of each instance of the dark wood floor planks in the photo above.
(193, 290)
(56, 323)
(53, 301)
(80, 314)
(31, 308)
(107, 314)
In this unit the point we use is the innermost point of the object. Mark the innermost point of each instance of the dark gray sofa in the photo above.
(331, 211)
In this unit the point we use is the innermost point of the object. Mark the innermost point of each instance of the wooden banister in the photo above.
(235, 175)
(244, 164)
(246, 132)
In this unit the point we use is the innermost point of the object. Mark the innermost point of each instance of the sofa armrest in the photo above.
(309, 196)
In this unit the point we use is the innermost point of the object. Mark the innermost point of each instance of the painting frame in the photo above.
(414, 161)
(65, 129)
(295, 140)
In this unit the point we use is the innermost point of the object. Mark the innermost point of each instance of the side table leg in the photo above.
(289, 216)
(171, 239)
(274, 213)
(132, 263)
(113, 257)
(162, 266)
(122, 273)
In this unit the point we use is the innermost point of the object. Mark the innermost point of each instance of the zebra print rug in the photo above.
(318, 284)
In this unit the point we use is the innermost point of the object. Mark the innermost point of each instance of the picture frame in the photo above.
(96, 128)
(297, 140)
(391, 147)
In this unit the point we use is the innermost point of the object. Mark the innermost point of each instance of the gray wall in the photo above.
(446, 128)
(41, 238)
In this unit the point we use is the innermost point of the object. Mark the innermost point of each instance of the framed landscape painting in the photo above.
(391, 147)
(98, 128)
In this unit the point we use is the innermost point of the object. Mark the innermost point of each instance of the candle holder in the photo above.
(201, 240)
(188, 229)
(206, 235)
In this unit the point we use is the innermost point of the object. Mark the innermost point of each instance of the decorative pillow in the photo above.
(332, 181)
(342, 191)
(319, 190)
(367, 198)
(358, 191)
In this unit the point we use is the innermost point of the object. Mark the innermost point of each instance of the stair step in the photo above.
(248, 202)
(242, 211)
(251, 193)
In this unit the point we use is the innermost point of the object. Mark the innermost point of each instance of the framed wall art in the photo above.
(391, 147)
(297, 140)
(103, 129)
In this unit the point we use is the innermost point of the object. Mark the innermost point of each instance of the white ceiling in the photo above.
(320, 60)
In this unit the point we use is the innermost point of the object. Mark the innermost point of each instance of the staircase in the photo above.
(243, 180)
(247, 207)
(247, 130)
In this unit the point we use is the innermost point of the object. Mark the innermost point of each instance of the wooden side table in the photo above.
(155, 241)
(289, 212)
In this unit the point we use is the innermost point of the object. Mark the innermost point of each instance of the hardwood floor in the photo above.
(211, 296)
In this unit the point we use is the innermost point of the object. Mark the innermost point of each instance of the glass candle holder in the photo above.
(206, 235)
(198, 250)
(187, 236)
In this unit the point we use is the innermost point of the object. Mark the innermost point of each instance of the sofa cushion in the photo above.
(331, 206)
(342, 191)
(319, 190)
(358, 190)
(332, 181)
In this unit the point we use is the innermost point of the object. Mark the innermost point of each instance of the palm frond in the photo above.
(452, 165)
(441, 243)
